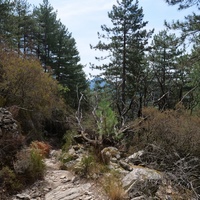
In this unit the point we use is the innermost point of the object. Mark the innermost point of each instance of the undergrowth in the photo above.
(112, 185)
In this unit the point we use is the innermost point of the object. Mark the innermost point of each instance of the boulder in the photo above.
(135, 158)
(141, 181)
(108, 153)
(23, 196)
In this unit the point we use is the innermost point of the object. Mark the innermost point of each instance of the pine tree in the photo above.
(190, 27)
(47, 24)
(183, 4)
(67, 69)
(39, 33)
(127, 44)
(190, 31)
(4, 10)
(24, 24)
(164, 62)
(6, 20)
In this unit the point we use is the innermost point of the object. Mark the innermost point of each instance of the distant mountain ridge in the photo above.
(96, 81)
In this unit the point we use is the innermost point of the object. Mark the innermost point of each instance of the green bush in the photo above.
(90, 167)
(8, 181)
(86, 166)
(37, 167)
(29, 165)
(107, 119)
(68, 140)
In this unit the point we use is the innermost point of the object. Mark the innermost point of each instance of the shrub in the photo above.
(37, 167)
(107, 119)
(8, 181)
(171, 143)
(113, 186)
(25, 84)
(42, 147)
(90, 167)
(172, 130)
(9, 146)
(68, 140)
(29, 165)
(86, 166)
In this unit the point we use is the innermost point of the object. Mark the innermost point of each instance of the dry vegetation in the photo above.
(26, 167)
(113, 186)
(171, 143)
(172, 130)
(42, 147)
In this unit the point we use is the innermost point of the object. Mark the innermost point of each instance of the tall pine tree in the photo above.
(164, 63)
(47, 25)
(127, 44)
(66, 64)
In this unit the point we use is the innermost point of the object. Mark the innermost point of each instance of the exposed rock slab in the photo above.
(140, 173)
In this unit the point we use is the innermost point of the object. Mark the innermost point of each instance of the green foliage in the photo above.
(90, 166)
(36, 32)
(63, 89)
(57, 49)
(68, 140)
(65, 158)
(193, 97)
(24, 84)
(86, 165)
(37, 167)
(30, 165)
(9, 181)
(189, 28)
(183, 4)
(169, 79)
(126, 42)
(107, 119)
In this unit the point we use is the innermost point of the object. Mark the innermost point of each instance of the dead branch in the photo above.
(186, 95)
(79, 115)
(162, 97)
(94, 109)
(132, 126)
(92, 142)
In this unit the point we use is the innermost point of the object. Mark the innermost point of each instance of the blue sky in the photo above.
(83, 19)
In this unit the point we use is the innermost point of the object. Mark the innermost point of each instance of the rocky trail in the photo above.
(61, 185)
(139, 182)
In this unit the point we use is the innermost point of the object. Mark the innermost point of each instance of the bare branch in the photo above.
(132, 126)
(79, 115)
(187, 94)
(162, 97)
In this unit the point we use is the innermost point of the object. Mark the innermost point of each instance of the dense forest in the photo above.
(148, 93)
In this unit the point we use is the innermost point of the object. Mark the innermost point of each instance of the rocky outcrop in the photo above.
(142, 181)
(7, 123)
